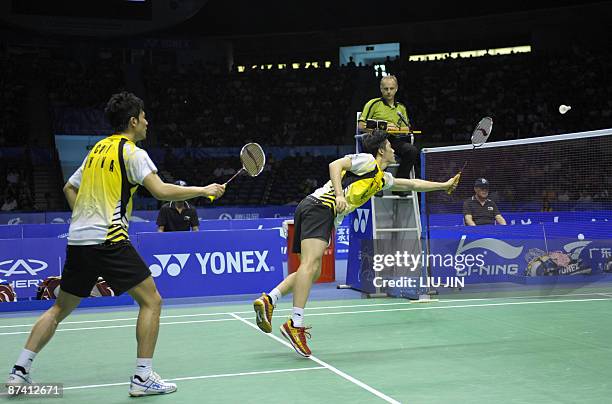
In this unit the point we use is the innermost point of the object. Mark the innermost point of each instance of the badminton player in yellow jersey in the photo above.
(354, 179)
(100, 196)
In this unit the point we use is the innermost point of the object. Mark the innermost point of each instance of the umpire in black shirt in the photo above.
(177, 216)
(479, 209)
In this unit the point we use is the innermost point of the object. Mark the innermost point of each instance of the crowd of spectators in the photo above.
(204, 105)
(12, 90)
(79, 89)
(14, 183)
(522, 92)
(283, 181)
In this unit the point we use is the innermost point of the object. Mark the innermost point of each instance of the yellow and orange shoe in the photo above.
(263, 312)
(296, 337)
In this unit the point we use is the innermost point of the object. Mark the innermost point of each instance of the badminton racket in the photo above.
(479, 137)
(253, 161)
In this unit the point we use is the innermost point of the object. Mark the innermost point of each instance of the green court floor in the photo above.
(553, 349)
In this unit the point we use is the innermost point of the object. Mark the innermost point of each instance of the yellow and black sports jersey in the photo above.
(360, 183)
(377, 108)
(106, 182)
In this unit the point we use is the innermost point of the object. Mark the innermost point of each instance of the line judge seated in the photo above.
(479, 209)
(178, 215)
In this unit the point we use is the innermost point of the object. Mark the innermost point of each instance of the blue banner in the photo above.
(482, 253)
(141, 227)
(27, 262)
(21, 218)
(526, 218)
(510, 253)
(213, 262)
(237, 224)
(212, 213)
(183, 263)
(10, 232)
(44, 230)
(246, 212)
(57, 217)
(360, 228)
(343, 237)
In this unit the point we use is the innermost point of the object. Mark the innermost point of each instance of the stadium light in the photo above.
(470, 53)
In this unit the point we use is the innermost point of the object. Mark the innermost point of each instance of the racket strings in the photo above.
(482, 131)
(253, 159)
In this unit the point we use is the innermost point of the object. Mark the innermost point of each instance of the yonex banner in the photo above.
(213, 262)
(183, 263)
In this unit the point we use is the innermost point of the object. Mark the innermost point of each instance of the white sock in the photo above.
(298, 317)
(25, 359)
(275, 295)
(144, 367)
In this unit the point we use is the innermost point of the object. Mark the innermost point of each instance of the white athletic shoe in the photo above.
(16, 378)
(153, 385)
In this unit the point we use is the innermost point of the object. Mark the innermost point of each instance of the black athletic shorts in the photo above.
(312, 220)
(118, 263)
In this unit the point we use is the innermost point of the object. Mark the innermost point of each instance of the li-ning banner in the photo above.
(213, 262)
(494, 253)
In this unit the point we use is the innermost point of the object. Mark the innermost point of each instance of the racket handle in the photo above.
(212, 198)
(452, 189)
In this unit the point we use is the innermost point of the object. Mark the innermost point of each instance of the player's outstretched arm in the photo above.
(170, 192)
(406, 184)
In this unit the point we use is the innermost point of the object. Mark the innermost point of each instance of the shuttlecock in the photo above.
(564, 108)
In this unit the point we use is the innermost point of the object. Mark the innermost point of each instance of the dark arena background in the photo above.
(498, 289)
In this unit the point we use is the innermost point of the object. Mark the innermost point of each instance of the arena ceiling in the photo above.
(245, 17)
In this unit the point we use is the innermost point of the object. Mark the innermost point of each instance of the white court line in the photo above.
(263, 372)
(459, 306)
(400, 303)
(122, 326)
(340, 312)
(325, 364)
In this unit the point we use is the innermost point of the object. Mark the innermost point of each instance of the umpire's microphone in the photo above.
(403, 118)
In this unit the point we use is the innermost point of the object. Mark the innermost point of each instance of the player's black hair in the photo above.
(120, 108)
(372, 142)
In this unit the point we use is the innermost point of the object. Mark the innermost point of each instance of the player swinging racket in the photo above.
(100, 195)
(355, 178)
